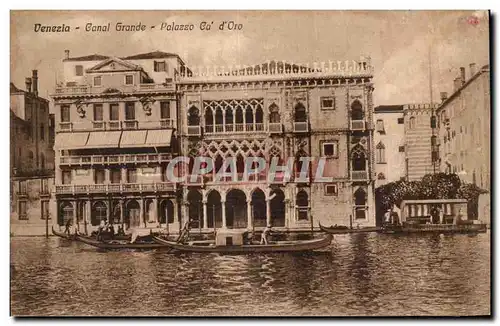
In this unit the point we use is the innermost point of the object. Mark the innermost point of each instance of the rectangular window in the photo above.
(165, 110)
(330, 149)
(401, 121)
(131, 175)
(44, 210)
(97, 81)
(114, 112)
(380, 126)
(401, 149)
(129, 79)
(65, 115)
(99, 176)
(160, 66)
(327, 103)
(116, 175)
(331, 190)
(129, 111)
(79, 70)
(66, 177)
(23, 210)
(98, 112)
(44, 186)
(42, 132)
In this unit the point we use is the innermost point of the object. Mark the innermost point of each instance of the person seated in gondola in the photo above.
(68, 224)
(120, 230)
(265, 234)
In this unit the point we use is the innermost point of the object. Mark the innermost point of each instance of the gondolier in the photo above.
(265, 234)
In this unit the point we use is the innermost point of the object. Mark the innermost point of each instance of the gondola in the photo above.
(435, 228)
(62, 234)
(111, 245)
(344, 229)
(280, 246)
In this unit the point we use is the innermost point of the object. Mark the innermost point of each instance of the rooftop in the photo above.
(388, 108)
(151, 55)
(92, 57)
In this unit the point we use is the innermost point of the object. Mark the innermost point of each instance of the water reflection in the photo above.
(360, 274)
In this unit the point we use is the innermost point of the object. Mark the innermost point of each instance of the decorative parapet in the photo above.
(278, 69)
(420, 106)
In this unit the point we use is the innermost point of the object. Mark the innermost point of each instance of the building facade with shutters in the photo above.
(116, 122)
(281, 111)
(31, 159)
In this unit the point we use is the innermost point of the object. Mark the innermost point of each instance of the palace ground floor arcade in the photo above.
(140, 211)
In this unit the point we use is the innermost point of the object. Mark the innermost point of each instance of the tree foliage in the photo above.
(432, 186)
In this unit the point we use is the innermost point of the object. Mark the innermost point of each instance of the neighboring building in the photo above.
(115, 134)
(31, 159)
(280, 110)
(390, 157)
(464, 121)
(117, 120)
(418, 140)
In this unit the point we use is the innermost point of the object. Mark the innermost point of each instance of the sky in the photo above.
(399, 43)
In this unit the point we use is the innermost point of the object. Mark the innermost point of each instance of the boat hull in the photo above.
(296, 246)
(119, 246)
(62, 234)
(332, 230)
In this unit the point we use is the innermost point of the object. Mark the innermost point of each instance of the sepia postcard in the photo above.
(250, 163)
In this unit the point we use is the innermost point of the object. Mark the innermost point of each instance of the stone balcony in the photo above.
(114, 188)
(114, 159)
(359, 175)
(116, 125)
(97, 90)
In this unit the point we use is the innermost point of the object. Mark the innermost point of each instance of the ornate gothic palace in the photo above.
(120, 121)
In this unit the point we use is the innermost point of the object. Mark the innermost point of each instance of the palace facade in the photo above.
(120, 121)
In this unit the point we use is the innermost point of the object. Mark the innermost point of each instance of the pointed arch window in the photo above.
(380, 153)
(412, 123)
(300, 113)
(274, 115)
(193, 116)
(357, 111)
(302, 204)
(358, 158)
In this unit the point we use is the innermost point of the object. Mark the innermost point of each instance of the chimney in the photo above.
(66, 54)
(472, 67)
(35, 82)
(462, 75)
(444, 96)
(28, 84)
(457, 83)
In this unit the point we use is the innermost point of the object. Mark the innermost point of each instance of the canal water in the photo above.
(359, 274)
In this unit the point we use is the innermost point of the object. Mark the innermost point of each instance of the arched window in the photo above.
(193, 116)
(380, 153)
(209, 117)
(229, 116)
(274, 115)
(239, 115)
(412, 123)
(218, 117)
(248, 115)
(302, 204)
(259, 115)
(300, 113)
(99, 212)
(357, 110)
(381, 176)
(358, 159)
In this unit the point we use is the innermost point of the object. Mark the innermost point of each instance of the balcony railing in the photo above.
(99, 125)
(232, 128)
(116, 125)
(300, 127)
(359, 175)
(87, 89)
(114, 188)
(194, 131)
(66, 126)
(275, 127)
(360, 211)
(357, 125)
(115, 159)
(130, 124)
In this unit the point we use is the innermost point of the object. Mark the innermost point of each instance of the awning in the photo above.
(159, 138)
(103, 139)
(133, 138)
(75, 140)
